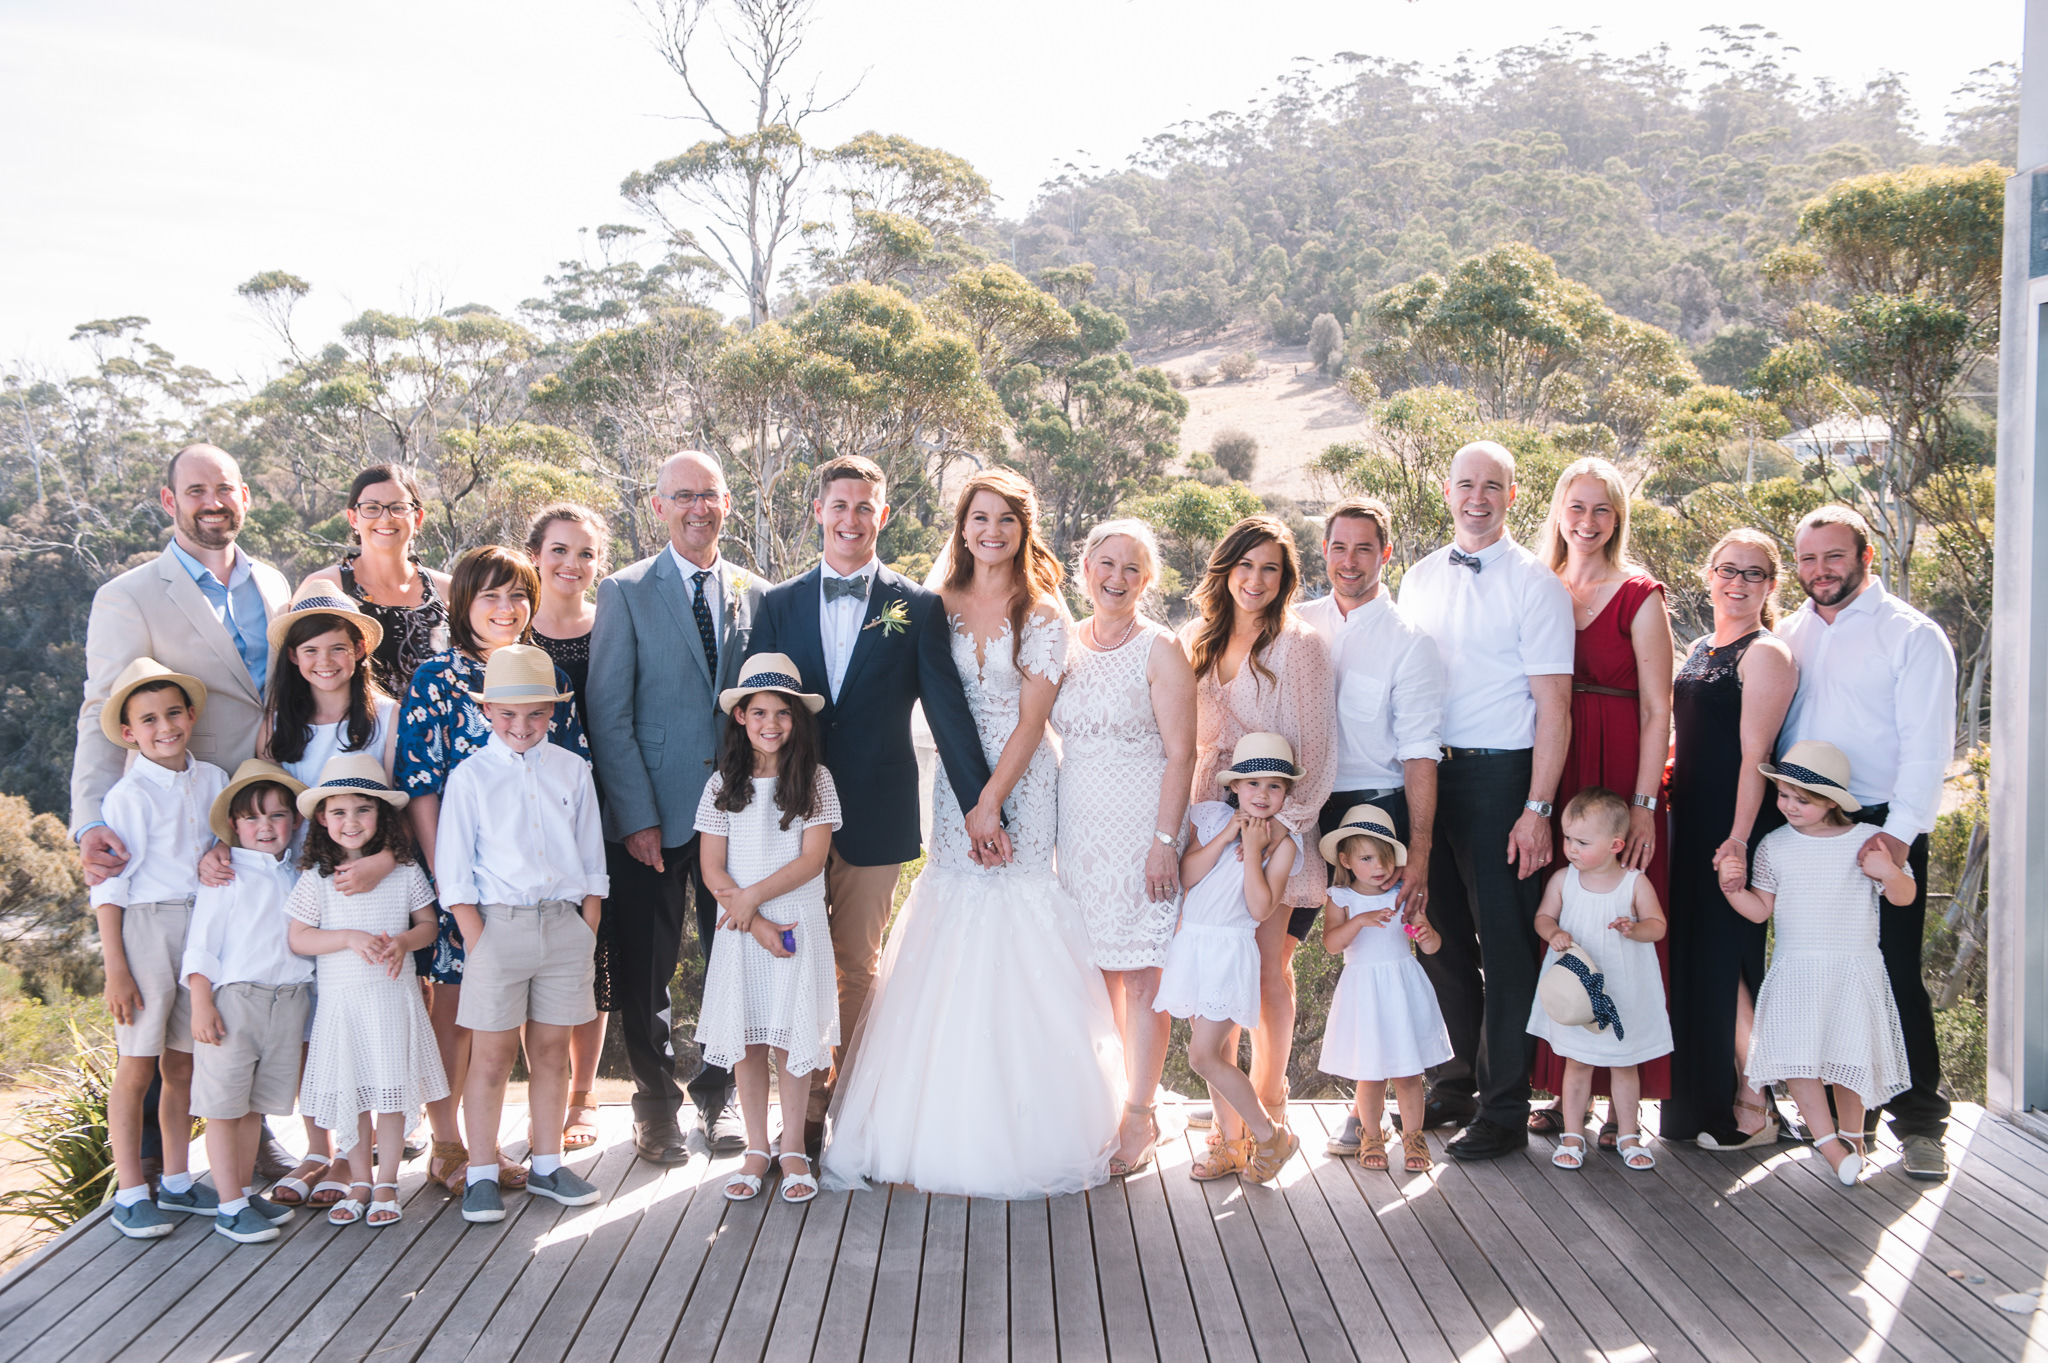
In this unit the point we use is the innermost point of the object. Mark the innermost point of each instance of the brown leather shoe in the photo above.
(659, 1140)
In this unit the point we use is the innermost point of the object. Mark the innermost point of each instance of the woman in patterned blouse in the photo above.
(440, 724)
(385, 511)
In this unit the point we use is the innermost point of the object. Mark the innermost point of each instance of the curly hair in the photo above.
(1038, 571)
(796, 770)
(1219, 611)
(325, 855)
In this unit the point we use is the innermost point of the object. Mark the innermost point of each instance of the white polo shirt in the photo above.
(1880, 684)
(1390, 690)
(1494, 629)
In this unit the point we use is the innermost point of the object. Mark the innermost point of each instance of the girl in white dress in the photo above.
(767, 818)
(372, 1060)
(1236, 869)
(1825, 1016)
(1384, 1022)
(1612, 914)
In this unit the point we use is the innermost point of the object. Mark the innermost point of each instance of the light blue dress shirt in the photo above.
(238, 605)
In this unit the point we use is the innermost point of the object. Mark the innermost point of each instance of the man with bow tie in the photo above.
(1503, 626)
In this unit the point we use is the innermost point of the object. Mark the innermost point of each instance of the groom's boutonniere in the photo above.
(895, 617)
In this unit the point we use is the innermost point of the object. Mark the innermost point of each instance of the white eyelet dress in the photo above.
(1212, 964)
(753, 997)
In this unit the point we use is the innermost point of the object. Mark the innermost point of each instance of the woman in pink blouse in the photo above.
(1260, 669)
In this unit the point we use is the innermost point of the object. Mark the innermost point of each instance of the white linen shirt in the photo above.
(839, 621)
(519, 828)
(1494, 629)
(240, 933)
(160, 817)
(1880, 684)
(1390, 690)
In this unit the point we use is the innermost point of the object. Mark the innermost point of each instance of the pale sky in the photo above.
(389, 151)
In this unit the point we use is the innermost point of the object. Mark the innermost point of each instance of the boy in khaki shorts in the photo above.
(520, 861)
(250, 994)
(159, 811)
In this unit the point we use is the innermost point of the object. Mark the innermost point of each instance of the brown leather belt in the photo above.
(1593, 690)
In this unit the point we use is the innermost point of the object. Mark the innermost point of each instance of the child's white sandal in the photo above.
(300, 1193)
(1851, 1167)
(350, 1209)
(1637, 1157)
(1569, 1156)
(807, 1181)
(750, 1182)
(381, 1205)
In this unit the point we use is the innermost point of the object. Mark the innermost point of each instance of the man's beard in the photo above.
(210, 537)
(1850, 584)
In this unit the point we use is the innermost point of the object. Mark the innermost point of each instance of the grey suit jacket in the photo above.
(654, 721)
(156, 610)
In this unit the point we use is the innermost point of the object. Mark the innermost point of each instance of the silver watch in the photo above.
(1165, 838)
(1540, 808)
(1648, 802)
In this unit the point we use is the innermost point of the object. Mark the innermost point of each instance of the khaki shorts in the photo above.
(256, 1066)
(153, 939)
(533, 964)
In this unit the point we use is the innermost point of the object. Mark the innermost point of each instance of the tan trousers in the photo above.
(858, 900)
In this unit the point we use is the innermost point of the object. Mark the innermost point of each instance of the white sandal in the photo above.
(297, 1187)
(1851, 1167)
(379, 1205)
(1638, 1156)
(807, 1181)
(350, 1209)
(1570, 1156)
(751, 1182)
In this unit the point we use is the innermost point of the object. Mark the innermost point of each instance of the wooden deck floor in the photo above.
(1707, 1257)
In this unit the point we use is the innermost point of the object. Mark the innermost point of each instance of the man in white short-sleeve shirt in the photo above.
(1502, 623)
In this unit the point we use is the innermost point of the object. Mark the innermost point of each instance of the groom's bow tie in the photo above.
(839, 587)
(1459, 559)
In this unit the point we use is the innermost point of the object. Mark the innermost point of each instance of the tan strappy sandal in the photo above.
(1416, 1158)
(1372, 1150)
(1119, 1168)
(1270, 1155)
(1221, 1160)
(580, 1133)
(448, 1165)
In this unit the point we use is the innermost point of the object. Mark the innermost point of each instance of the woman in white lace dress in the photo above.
(1126, 718)
(988, 1063)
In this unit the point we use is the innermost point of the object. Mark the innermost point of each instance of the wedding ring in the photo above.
(990, 845)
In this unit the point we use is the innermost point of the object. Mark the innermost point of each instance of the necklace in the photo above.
(1096, 634)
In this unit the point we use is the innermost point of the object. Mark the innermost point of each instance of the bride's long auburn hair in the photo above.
(1219, 610)
(1038, 571)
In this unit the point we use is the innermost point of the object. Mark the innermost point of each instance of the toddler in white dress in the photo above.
(1235, 871)
(766, 819)
(1612, 914)
(1384, 1022)
(1825, 1016)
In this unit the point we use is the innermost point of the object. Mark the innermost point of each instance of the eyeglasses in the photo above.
(377, 511)
(704, 499)
(1728, 572)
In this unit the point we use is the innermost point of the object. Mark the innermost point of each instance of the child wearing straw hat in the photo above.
(159, 810)
(1825, 1016)
(1235, 870)
(520, 861)
(767, 817)
(1384, 1022)
(251, 994)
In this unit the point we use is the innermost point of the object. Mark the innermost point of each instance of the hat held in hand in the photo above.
(520, 674)
(1574, 993)
(1818, 767)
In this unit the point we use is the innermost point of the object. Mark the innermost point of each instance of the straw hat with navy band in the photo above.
(520, 674)
(1817, 767)
(254, 771)
(351, 773)
(317, 598)
(769, 672)
(138, 674)
(1260, 755)
(1370, 820)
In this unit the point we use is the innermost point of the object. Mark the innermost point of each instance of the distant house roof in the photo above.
(1841, 434)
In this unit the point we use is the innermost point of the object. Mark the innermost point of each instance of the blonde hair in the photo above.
(1552, 547)
(1755, 539)
(1358, 845)
(1132, 529)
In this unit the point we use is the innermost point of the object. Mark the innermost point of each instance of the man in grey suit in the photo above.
(671, 633)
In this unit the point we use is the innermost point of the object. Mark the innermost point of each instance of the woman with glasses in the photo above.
(1728, 700)
(385, 511)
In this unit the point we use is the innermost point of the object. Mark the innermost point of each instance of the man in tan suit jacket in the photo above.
(200, 607)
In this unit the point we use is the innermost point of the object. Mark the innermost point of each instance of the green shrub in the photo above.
(36, 1033)
(1960, 1032)
(1240, 366)
(1236, 453)
(66, 1136)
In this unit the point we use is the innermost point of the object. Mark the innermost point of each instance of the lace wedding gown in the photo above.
(988, 1063)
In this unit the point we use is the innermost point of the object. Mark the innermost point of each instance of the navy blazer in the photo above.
(866, 732)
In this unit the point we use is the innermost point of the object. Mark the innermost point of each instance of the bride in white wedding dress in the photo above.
(988, 1062)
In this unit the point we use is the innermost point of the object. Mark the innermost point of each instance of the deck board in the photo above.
(1750, 1257)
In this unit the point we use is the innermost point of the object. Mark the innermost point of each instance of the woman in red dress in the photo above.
(1621, 708)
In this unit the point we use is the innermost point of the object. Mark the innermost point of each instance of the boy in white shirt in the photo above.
(521, 867)
(250, 994)
(159, 811)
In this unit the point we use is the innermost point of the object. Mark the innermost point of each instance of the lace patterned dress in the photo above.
(988, 1063)
(1110, 769)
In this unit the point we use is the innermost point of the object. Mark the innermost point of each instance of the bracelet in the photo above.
(1648, 802)
(1165, 839)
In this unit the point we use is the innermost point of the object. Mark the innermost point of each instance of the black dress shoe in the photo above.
(724, 1132)
(273, 1161)
(1487, 1139)
(660, 1140)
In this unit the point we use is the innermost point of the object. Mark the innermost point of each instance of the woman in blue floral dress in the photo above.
(491, 605)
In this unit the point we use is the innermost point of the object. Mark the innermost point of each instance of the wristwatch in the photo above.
(1165, 838)
(1648, 802)
(1540, 808)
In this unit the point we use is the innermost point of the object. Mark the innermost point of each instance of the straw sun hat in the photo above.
(138, 674)
(320, 598)
(769, 672)
(351, 773)
(252, 772)
(1260, 755)
(1817, 767)
(1574, 993)
(520, 674)
(1370, 820)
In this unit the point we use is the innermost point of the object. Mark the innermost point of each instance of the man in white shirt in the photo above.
(1502, 623)
(671, 633)
(1390, 706)
(1877, 679)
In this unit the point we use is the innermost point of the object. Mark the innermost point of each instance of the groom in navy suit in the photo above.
(872, 642)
